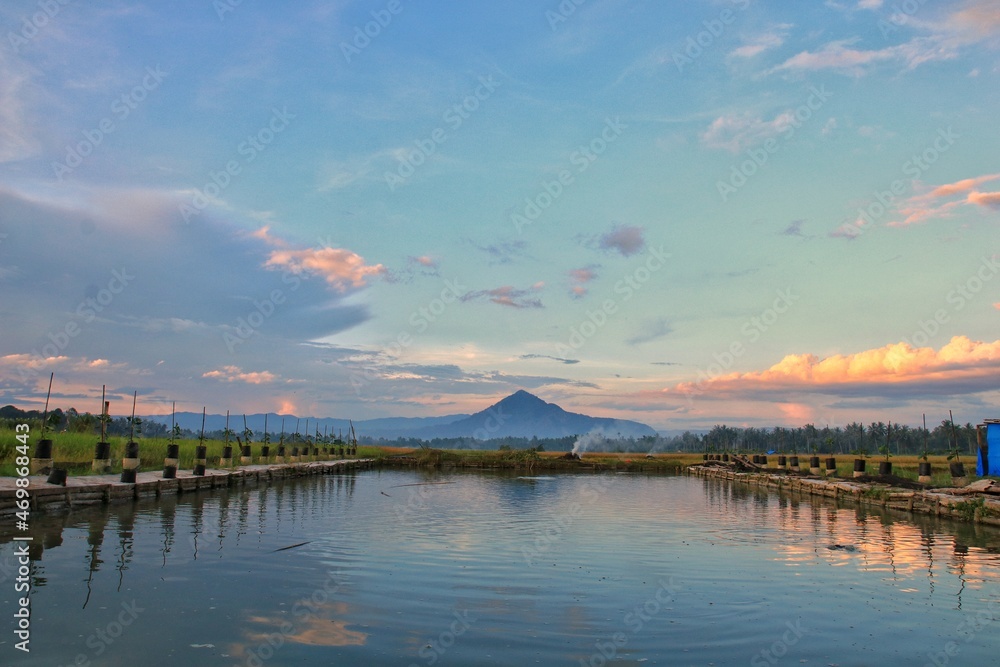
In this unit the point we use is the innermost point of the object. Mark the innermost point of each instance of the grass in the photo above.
(75, 451)
(522, 458)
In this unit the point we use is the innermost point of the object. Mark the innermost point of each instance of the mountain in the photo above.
(519, 415)
(385, 427)
(525, 415)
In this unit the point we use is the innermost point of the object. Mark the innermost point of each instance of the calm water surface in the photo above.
(413, 568)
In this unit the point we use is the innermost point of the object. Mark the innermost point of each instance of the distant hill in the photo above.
(519, 415)
(525, 415)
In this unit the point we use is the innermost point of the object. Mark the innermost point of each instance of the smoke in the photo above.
(588, 441)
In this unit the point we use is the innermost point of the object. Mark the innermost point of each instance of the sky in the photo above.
(682, 213)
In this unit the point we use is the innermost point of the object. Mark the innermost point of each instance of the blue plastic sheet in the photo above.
(989, 460)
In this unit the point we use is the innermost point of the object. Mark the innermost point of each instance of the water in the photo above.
(489, 569)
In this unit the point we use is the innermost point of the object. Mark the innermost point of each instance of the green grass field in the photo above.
(75, 451)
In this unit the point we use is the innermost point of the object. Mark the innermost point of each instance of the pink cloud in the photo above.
(236, 374)
(264, 234)
(342, 269)
(958, 187)
(579, 279)
(934, 204)
(425, 260)
(987, 199)
(898, 363)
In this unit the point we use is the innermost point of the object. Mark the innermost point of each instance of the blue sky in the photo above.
(684, 213)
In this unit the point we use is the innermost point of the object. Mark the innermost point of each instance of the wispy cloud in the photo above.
(941, 201)
(509, 296)
(547, 356)
(651, 330)
(736, 132)
(843, 56)
(762, 42)
(502, 252)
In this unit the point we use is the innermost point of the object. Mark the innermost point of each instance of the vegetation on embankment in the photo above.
(75, 451)
(529, 459)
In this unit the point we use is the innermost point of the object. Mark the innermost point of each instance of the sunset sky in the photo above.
(682, 213)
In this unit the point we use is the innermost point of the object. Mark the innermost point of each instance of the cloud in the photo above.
(17, 133)
(737, 132)
(651, 330)
(942, 200)
(503, 252)
(627, 240)
(794, 229)
(975, 21)
(341, 269)
(172, 300)
(546, 356)
(508, 296)
(763, 42)
(236, 374)
(987, 199)
(961, 366)
(424, 260)
(959, 187)
(841, 56)
(579, 278)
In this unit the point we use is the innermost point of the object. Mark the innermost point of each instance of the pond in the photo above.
(428, 568)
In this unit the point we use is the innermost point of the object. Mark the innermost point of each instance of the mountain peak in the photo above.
(521, 397)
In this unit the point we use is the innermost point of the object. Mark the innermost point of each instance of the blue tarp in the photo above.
(992, 465)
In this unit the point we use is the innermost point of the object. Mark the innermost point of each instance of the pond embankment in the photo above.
(102, 489)
(978, 502)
